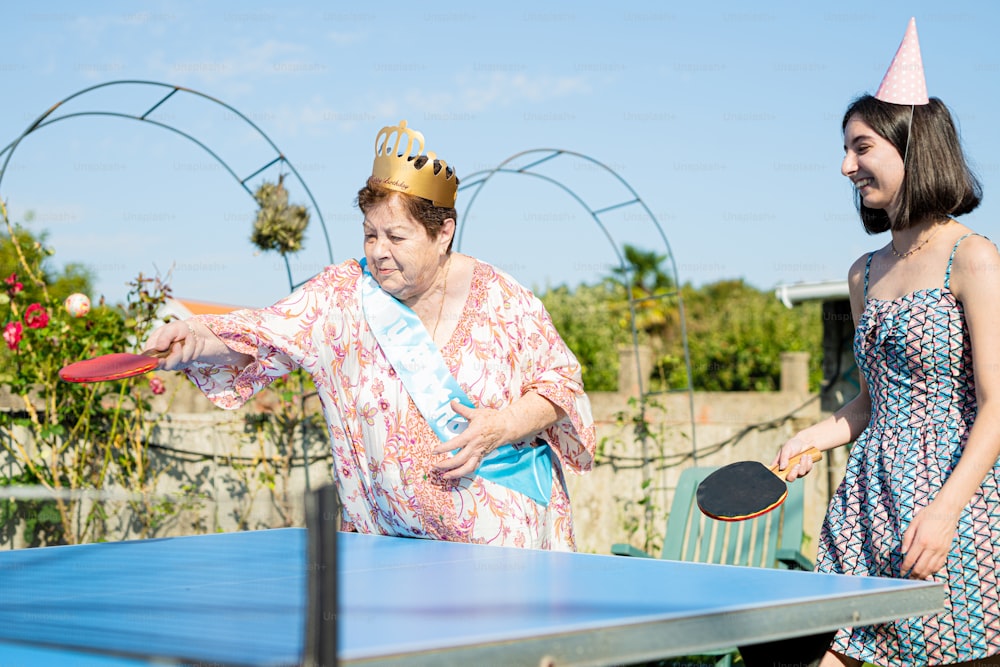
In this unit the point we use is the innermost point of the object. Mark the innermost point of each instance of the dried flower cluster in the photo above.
(279, 226)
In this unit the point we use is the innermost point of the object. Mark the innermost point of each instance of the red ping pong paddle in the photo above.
(116, 366)
(746, 489)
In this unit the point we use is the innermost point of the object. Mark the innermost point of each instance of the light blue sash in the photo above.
(427, 380)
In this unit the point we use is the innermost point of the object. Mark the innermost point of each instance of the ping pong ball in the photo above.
(77, 304)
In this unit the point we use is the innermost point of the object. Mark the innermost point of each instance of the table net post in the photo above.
(321, 613)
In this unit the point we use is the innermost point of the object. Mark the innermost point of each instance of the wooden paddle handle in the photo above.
(157, 354)
(812, 453)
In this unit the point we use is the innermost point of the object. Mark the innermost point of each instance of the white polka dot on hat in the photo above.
(904, 82)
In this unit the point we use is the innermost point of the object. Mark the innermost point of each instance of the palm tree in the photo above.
(650, 289)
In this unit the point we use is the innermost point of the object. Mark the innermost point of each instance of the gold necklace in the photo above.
(444, 294)
(892, 243)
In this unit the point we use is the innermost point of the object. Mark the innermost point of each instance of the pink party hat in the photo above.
(904, 82)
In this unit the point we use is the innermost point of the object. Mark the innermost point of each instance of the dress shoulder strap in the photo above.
(868, 266)
(954, 249)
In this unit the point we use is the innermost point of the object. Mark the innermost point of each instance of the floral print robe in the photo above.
(504, 346)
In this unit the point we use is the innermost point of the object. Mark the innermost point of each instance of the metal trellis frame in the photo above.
(537, 157)
(145, 115)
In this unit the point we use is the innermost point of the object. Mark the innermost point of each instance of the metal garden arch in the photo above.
(534, 158)
(147, 116)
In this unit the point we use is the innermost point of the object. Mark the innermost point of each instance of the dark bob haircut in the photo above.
(937, 182)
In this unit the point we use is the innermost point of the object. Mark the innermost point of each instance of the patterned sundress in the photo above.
(916, 357)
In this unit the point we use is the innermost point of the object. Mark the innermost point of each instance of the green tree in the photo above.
(643, 271)
(653, 293)
(736, 335)
(594, 322)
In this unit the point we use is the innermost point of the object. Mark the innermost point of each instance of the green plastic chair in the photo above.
(773, 540)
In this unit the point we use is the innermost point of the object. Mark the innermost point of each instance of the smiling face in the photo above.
(401, 254)
(874, 166)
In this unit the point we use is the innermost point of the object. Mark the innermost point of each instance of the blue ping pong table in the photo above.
(240, 599)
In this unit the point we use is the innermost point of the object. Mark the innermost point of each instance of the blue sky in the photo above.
(723, 117)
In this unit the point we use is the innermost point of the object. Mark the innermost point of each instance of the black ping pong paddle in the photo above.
(745, 489)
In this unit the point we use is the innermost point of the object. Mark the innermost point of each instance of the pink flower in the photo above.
(12, 333)
(156, 385)
(36, 317)
(13, 286)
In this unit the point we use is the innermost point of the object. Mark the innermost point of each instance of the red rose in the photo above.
(12, 333)
(156, 385)
(36, 317)
(13, 286)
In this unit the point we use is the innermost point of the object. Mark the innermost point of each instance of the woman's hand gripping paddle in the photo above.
(116, 366)
(746, 489)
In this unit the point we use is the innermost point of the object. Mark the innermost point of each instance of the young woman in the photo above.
(921, 495)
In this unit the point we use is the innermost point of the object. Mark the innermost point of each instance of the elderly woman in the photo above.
(453, 405)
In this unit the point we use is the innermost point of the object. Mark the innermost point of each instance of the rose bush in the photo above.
(74, 439)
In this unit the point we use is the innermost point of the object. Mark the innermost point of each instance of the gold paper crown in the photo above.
(395, 170)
